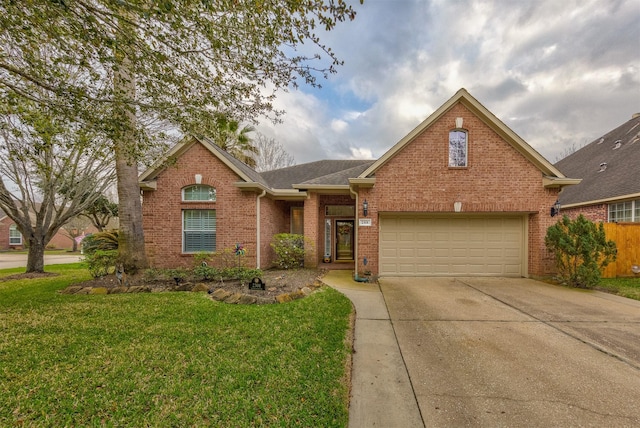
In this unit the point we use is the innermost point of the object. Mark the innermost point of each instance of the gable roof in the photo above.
(340, 175)
(286, 182)
(245, 173)
(609, 167)
(553, 176)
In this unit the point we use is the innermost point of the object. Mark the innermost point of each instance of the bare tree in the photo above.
(271, 154)
(51, 171)
(567, 151)
(75, 228)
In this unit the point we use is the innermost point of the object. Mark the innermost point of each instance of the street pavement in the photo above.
(12, 260)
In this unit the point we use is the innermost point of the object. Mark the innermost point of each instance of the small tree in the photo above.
(101, 212)
(581, 250)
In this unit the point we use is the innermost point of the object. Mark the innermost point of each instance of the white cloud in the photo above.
(557, 73)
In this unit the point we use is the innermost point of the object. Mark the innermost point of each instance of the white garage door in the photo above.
(450, 246)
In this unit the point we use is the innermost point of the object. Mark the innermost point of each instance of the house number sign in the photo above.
(364, 222)
(256, 284)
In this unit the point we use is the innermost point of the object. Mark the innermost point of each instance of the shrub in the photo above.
(581, 249)
(101, 262)
(105, 241)
(206, 272)
(289, 250)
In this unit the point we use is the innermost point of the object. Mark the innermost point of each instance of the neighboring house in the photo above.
(610, 171)
(461, 194)
(12, 239)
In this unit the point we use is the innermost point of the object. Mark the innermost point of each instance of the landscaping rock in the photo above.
(138, 289)
(283, 298)
(72, 289)
(296, 295)
(119, 290)
(247, 300)
(233, 299)
(200, 287)
(220, 294)
(99, 290)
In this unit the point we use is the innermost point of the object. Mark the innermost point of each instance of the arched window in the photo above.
(199, 192)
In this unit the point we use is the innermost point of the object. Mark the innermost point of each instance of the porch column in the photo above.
(311, 228)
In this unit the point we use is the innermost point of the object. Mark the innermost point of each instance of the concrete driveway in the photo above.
(516, 352)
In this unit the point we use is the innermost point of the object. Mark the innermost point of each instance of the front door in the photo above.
(344, 239)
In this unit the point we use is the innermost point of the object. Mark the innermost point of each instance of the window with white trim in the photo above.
(628, 211)
(198, 231)
(15, 237)
(199, 192)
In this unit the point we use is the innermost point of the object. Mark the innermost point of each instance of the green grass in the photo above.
(626, 287)
(168, 359)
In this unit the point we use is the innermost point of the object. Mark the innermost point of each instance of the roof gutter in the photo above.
(552, 182)
(602, 201)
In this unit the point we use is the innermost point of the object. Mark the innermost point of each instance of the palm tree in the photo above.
(235, 140)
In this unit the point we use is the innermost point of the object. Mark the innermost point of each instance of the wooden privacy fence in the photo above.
(627, 239)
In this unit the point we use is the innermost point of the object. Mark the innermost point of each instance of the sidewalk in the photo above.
(381, 392)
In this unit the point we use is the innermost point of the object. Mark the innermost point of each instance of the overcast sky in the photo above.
(557, 72)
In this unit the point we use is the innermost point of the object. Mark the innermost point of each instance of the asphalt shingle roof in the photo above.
(319, 172)
(609, 166)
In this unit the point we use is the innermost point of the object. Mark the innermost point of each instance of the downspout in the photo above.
(356, 227)
(260, 196)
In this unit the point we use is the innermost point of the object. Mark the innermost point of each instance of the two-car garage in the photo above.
(452, 245)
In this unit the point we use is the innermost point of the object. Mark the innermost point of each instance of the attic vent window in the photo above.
(617, 145)
(603, 166)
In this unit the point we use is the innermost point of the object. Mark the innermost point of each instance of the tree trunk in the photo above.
(131, 252)
(35, 256)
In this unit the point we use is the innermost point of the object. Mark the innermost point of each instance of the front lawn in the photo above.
(168, 359)
(626, 287)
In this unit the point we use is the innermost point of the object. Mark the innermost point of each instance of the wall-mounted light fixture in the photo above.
(198, 178)
(555, 209)
(365, 208)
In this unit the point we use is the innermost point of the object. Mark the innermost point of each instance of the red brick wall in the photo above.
(595, 213)
(275, 218)
(311, 230)
(162, 209)
(498, 179)
(4, 233)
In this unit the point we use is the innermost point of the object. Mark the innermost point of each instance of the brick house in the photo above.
(610, 173)
(12, 239)
(461, 194)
